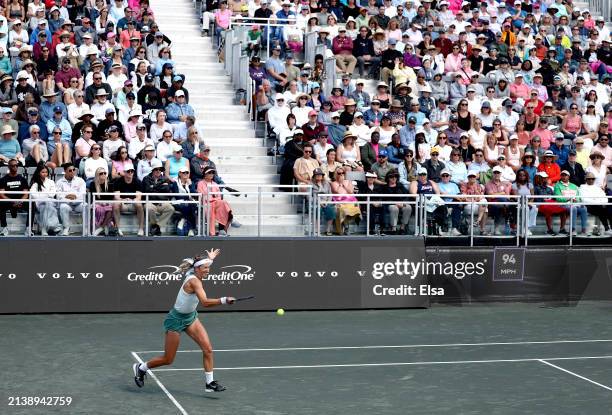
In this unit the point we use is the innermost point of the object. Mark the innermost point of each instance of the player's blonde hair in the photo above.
(187, 263)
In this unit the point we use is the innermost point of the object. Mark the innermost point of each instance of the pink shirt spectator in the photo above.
(222, 17)
(521, 90)
(545, 135)
(453, 62)
(342, 45)
(121, 166)
(501, 187)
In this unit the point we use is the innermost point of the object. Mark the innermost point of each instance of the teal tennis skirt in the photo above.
(176, 321)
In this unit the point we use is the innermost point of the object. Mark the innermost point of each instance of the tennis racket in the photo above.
(250, 297)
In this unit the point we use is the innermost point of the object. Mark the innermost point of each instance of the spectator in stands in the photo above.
(321, 146)
(174, 164)
(436, 212)
(342, 46)
(304, 166)
(9, 147)
(598, 168)
(145, 164)
(347, 211)
(94, 162)
(335, 129)
(103, 210)
(165, 147)
(398, 206)
(12, 182)
(321, 186)
(42, 191)
(217, 210)
(595, 200)
(603, 147)
(112, 143)
(35, 149)
(476, 204)
(571, 196)
(82, 147)
(120, 162)
(448, 187)
(127, 188)
(77, 107)
(200, 163)
(159, 209)
(498, 192)
(348, 152)
(551, 168)
(191, 145)
(179, 110)
(71, 193)
(97, 87)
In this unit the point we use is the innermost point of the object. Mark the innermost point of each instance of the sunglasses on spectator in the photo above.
(103, 173)
(339, 173)
(307, 151)
(57, 132)
(141, 128)
(95, 148)
(167, 136)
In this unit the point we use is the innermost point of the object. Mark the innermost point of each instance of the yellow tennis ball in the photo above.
(280, 312)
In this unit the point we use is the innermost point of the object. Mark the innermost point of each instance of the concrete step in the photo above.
(267, 230)
(238, 150)
(209, 115)
(218, 122)
(250, 206)
(225, 167)
(229, 133)
(249, 159)
(217, 141)
(250, 178)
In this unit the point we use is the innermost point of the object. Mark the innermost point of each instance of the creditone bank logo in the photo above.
(413, 269)
(231, 274)
(158, 275)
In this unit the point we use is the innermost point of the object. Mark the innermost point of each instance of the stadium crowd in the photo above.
(481, 99)
(92, 101)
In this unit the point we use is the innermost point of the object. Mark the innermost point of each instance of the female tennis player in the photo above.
(184, 317)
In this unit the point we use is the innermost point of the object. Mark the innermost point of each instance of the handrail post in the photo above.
(472, 221)
(258, 211)
(147, 226)
(368, 215)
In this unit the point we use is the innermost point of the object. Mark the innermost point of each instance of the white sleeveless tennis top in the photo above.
(186, 303)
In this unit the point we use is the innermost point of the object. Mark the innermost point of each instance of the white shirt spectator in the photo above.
(508, 120)
(75, 186)
(164, 150)
(116, 81)
(91, 165)
(144, 168)
(74, 112)
(136, 146)
(110, 146)
(99, 110)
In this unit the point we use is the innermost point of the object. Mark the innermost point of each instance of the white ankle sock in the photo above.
(209, 377)
(143, 367)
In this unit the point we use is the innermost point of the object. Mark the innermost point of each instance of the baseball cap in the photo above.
(498, 169)
(57, 108)
(149, 78)
(382, 153)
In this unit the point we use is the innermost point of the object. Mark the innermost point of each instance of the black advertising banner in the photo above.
(87, 275)
(136, 275)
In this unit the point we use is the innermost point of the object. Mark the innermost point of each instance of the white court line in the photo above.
(453, 362)
(574, 374)
(402, 346)
(161, 385)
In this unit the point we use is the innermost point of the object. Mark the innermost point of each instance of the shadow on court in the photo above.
(478, 359)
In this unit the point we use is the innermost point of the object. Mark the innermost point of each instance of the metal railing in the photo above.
(300, 200)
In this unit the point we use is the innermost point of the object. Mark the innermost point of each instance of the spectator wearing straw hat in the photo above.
(101, 105)
(47, 107)
(9, 147)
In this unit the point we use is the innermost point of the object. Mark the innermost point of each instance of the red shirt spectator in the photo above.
(550, 167)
